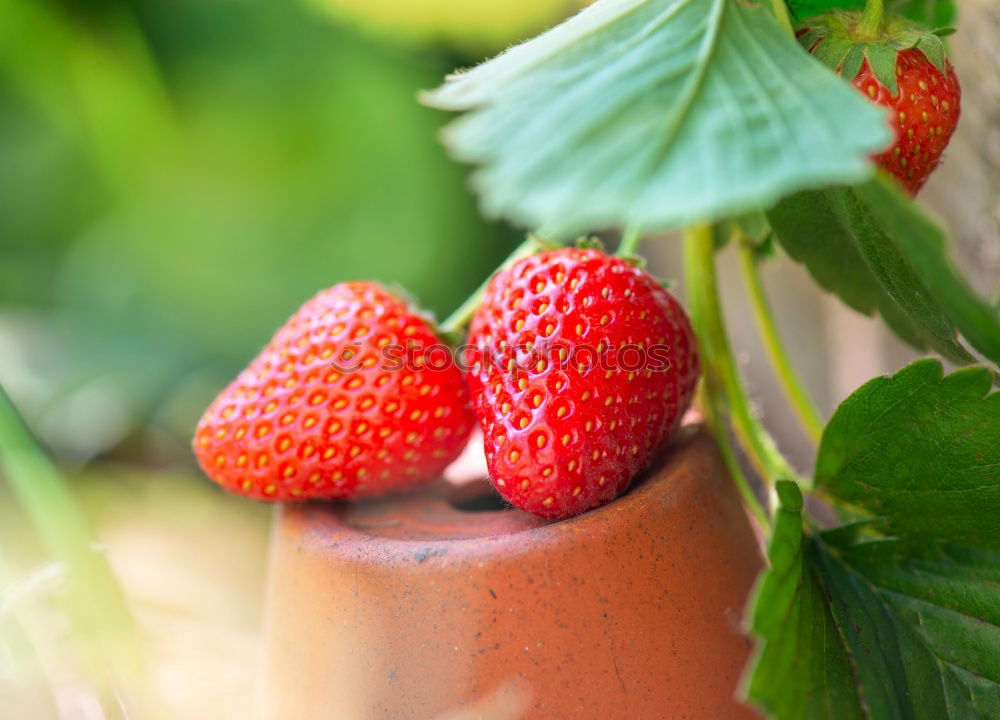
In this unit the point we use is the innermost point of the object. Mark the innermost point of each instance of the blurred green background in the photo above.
(177, 177)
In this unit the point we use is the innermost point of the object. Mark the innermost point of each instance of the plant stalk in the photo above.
(95, 604)
(711, 406)
(722, 389)
(791, 384)
(631, 238)
(721, 374)
(872, 22)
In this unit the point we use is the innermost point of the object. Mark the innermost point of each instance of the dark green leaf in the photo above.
(800, 669)
(878, 251)
(909, 620)
(655, 112)
(922, 245)
(920, 452)
(907, 39)
(924, 655)
(813, 231)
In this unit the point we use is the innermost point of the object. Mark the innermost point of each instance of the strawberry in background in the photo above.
(901, 66)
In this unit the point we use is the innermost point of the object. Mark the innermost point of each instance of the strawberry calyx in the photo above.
(843, 40)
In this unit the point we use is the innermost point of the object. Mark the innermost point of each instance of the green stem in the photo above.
(780, 11)
(711, 405)
(719, 366)
(95, 602)
(700, 281)
(872, 20)
(629, 243)
(463, 313)
(792, 385)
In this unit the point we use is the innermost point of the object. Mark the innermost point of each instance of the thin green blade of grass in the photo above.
(104, 631)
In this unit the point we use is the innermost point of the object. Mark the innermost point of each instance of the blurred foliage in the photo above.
(179, 176)
(465, 24)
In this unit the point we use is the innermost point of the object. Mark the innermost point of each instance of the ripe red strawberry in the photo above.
(586, 365)
(923, 115)
(354, 396)
(902, 67)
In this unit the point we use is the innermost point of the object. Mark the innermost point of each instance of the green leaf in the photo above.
(925, 655)
(933, 13)
(655, 112)
(874, 248)
(754, 225)
(800, 668)
(903, 624)
(923, 245)
(920, 452)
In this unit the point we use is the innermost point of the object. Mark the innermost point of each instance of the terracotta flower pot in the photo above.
(420, 605)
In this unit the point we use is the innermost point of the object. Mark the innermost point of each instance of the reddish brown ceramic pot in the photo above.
(413, 607)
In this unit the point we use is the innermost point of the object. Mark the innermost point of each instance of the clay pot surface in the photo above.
(411, 607)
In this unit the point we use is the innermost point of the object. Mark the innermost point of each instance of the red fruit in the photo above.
(587, 364)
(923, 115)
(354, 396)
(916, 84)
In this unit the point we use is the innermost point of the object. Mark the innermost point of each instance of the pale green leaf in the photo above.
(655, 112)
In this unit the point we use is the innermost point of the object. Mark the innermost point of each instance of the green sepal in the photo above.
(590, 242)
(933, 49)
(944, 31)
(852, 63)
(882, 60)
(834, 39)
(809, 38)
(832, 50)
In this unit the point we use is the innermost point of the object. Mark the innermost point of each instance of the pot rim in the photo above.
(324, 525)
